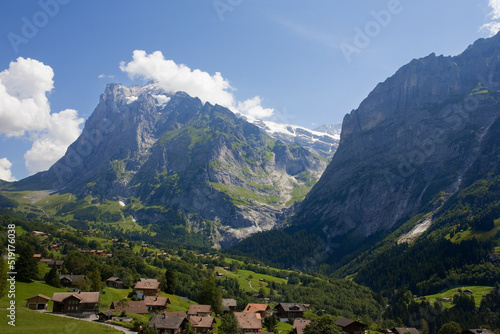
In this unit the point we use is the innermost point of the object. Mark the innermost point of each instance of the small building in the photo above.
(155, 304)
(114, 282)
(38, 302)
(229, 305)
(39, 234)
(75, 302)
(105, 316)
(403, 330)
(168, 324)
(136, 307)
(290, 310)
(199, 310)
(249, 322)
(350, 326)
(70, 280)
(299, 325)
(202, 324)
(147, 287)
(58, 264)
(263, 309)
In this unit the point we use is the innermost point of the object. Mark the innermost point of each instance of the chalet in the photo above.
(53, 263)
(70, 302)
(350, 326)
(477, 331)
(147, 287)
(38, 302)
(39, 234)
(229, 305)
(299, 325)
(290, 310)
(199, 310)
(71, 280)
(468, 292)
(249, 322)
(115, 282)
(136, 307)
(202, 324)
(403, 330)
(168, 324)
(105, 316)
(155, 303)
(263, 309)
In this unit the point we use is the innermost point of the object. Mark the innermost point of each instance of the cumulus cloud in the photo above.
(25, 112)
(253, 107)
(494, 26)
(5, 173)
(173, 77)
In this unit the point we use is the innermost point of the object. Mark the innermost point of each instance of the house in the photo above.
(299, 325)
(477, 331)
(70, 280)
(156, 303)
(168, 324)
(105, 316)
(147, 287)
(350, 326)
(75, 302)
(403, 330)
(249, 322)
(286, 311)
(38, 302)
(229, 305)
(39, 234)
(468, 292)
(199, 310)
(202, 324)
(115, 282)
(263, 309)
(136, 307)
(53, 263)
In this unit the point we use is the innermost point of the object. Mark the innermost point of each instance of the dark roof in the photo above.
(107, 313)
(156, 301)
(114, 279)
(162, 321)
(292, 307)
(403, 330)
(72, 278)
(344, 322)
(39, 295)
(201, 322)
(229, 302)
(147, 285)
(195, 309)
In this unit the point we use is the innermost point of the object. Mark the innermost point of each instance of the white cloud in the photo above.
(105, 76)
(253, 107)
(25, 112)
(5, 173)
(173, 77)
(494, 26)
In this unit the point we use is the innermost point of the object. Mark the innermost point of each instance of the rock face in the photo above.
(182, 161)
(412, 143)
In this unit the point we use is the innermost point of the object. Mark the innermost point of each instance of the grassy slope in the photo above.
(248, 284)
(29, 321)
(479, 292)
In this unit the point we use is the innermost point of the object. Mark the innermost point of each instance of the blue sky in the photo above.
(308, 62)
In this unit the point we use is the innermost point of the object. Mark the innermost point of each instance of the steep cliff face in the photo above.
(180, 160)
(410, 145)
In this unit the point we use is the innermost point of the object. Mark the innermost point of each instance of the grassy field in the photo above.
(250, 281)
(109, 295)
(29, 321)
(478, 293)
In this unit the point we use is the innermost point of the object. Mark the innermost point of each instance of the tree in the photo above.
(95, 280)
(323, 325)
(229, 324)
(26, 265)
(3, 276)
(450, 328)
(171, 281)
(52, 278)
(211, 294)
(271, 323)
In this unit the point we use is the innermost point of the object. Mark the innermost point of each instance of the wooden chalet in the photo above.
(70, 280)
(105, 316)
(350, 326)
(168, 324)
(199, 310)
(290, 310)
(202, 324)
(263, 309)
(114, 282)
(38, 302)
(249, 322)
(147, 287)
(75, 302)
(229, 305)
(154, 304)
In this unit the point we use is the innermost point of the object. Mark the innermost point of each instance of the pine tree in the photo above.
(229, 324)
(52, 278)
(26, 265)
(211, 294)
(171, 279)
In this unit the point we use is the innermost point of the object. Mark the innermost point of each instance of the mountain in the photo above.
(322, 141)
(332, 129)
(415, 143)
(180, 164)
